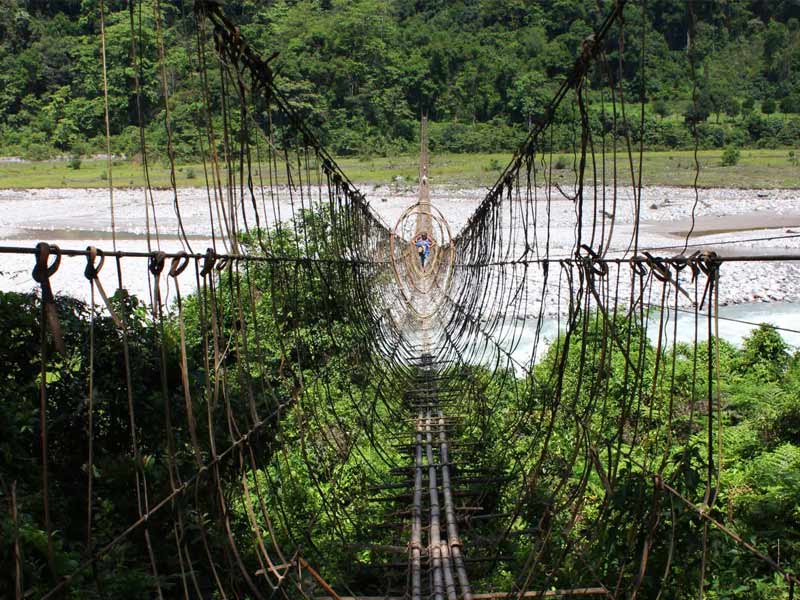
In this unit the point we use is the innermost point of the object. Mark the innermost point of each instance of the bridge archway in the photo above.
(422, 287)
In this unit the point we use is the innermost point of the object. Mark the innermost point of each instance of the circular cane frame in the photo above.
(416, 280)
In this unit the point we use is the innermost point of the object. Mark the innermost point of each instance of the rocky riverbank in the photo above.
(728, 221)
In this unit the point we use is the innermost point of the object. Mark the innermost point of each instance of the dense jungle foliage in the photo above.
(299, 317)
(300, 349)
(362, 71)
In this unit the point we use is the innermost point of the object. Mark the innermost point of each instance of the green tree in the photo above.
(775, 40)
(765, 349)
(731, 106)
(660, 108)
(700, 108)
(529, 97)
(790, 104)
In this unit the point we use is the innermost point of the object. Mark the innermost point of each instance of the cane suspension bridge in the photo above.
(473, 474)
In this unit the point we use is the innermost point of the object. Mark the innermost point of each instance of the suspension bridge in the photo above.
(427, 460)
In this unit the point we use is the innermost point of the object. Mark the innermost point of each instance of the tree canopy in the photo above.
(364, 70)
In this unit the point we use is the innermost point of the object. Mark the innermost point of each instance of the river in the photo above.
(80, 218)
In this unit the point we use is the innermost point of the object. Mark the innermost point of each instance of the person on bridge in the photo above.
(423, 245)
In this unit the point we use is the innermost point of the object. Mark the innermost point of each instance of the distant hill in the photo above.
(363, 70)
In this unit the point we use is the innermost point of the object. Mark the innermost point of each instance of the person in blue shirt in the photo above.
(423, 245)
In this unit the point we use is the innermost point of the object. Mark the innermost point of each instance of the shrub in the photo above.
(36, 151)
(731, 156)
(74, 162)
(736, 136)
(660, 108)
(695, 114)
(731, 106)
(711, 136)
(675, 135)
(748, 104)
(190, 174)
(789, 132)
(768, 106)
(561, 163)
(757, 126)
(765, 348)
(790, 104)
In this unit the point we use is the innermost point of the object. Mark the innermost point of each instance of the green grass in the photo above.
(756, 169)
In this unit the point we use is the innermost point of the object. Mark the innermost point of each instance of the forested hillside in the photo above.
(364, 70)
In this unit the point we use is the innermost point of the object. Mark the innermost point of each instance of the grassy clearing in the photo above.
(756, 169)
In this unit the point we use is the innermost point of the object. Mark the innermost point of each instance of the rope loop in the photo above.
(637, 264)
(707, 262)
(659, 269)
(179, 264)
(679, 262)
(43, 271)
(92, 266)
(223, 263)
(692, 262)
(593, 262)
(209, 260)
(156, 263)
